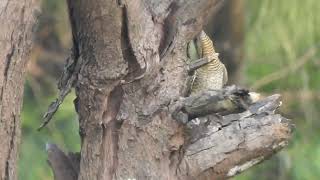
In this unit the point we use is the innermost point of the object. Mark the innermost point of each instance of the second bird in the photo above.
(212, 75)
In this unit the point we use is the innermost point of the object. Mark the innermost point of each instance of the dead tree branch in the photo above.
(223, 146)
(131, 67)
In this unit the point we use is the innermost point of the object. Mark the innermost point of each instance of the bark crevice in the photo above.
(168, 29)
(15, 35)
(134, 69)
(254, 136)
(13, 137)
(8, 61)
(148, 129)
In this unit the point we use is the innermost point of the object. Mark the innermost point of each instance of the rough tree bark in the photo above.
(16, 19)
(130, 76)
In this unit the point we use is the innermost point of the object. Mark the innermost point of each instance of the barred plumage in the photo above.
(214, 74)
(206, 44)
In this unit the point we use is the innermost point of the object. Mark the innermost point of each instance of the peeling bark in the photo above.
(15, 43)
(223, 146)
(130, 83)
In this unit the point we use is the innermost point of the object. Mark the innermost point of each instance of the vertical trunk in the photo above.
(130, 65)
(16, 19)
(128, 125)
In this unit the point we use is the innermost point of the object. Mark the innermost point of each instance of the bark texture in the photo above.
(16, 19)
(130, 74)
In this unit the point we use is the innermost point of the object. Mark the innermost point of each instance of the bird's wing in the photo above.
(192, 51)
(198, 46)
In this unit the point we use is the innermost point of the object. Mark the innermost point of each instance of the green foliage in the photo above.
(62, 130)
(53, 33)
(278, 33)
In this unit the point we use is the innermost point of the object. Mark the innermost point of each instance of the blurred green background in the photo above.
(281, 55)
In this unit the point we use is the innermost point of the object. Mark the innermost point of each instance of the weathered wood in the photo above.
(17, 20)
(119, 41)
(217, 146)
(223, 146)
(196, 64)
(132, 66)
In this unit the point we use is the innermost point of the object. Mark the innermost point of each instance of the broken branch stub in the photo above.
(221, 146)
(63, 166)
(217, 146)
(143, 145)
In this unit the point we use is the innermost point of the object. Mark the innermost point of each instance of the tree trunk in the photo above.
(130, 75)
(16, 19)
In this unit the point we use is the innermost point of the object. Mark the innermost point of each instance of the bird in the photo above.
(212, 74)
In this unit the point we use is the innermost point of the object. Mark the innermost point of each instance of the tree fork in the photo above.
(130, 130)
